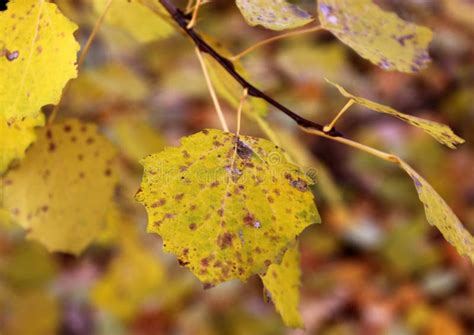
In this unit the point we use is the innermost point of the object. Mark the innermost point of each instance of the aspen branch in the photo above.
(182, 20)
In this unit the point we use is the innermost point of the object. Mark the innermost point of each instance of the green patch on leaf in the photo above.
(227, 206)
(377, 35)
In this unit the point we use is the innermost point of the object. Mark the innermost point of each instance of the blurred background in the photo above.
(374, 266)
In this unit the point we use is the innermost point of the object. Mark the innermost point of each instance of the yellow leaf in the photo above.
(441, 216)
(136, 138)
(226, 86)
(61, 191)
(131, 277)
(106, 85)
(377, 35)
(273, 14)
(282, 281)
(16, 137)
(441, 132)
(132, 16)
(228, 207)
(38, 55)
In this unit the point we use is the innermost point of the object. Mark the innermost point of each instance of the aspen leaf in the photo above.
(440, 215)
(441, 132)
(38, 55)
(228, 207)
(282, 282)
(226, 86)
(135, 18)
(379, 36)
(273, 14)
(15, 137)
(61, 191)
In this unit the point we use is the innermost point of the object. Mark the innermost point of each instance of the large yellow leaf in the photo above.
(282, 282)
(441, 132)
(135, 18)
(15, 137)
(38, 55)
(377, 35)
(440, 215)
(273, 14)
(228, 207)
(61, 191)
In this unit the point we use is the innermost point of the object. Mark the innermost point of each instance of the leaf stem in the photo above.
(273, 39)
(239, 110)
(374, 152)
(195, 14)
(82, 57)
(338, 116)
(215, 100)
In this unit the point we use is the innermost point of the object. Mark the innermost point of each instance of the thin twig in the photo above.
(212, 92)
(82, 57)
(273, 39)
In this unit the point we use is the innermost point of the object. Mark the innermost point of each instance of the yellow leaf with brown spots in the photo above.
(440, 215)
(379, 36)
(62, 190)
(16, 137)
(440, 132)
(273, 14)
(38, 56)
(282, 283)
(227, 206)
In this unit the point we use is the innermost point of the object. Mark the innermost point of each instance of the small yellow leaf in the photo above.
(64, 186)
(38, 56)
(228, 207)
(16, 137)
(377, 35)
(441, 132)
(134, 17)
(441, 216)
(273, 14)
(282, 281)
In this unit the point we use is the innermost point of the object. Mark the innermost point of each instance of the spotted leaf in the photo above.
(228, 207)
(61, 191)
(440, 215)
(15, 137)
(441, 132)
(282, 283)
(377, 35)
(38, 56)
(273, 14)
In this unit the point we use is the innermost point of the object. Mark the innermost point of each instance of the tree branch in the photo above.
(182, 20)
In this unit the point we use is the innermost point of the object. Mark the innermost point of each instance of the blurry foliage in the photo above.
(373, 267)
